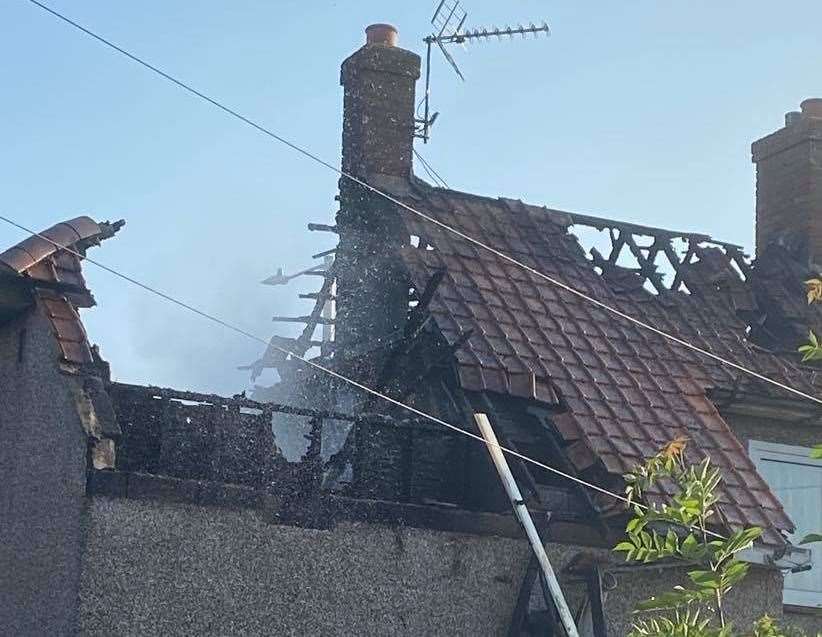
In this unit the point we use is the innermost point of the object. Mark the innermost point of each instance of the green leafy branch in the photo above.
(813, 351)
(678, 530)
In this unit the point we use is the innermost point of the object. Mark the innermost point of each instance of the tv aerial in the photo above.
(448, 22)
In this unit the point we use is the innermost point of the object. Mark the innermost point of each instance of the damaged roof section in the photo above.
(616, 392)
(48, 270)
(195, 436)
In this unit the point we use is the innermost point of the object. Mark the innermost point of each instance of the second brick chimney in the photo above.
(789, 183)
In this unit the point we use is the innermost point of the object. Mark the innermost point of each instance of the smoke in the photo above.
(150, 341)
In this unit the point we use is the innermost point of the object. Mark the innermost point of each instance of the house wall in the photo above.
(176, 569)
(170, 568)
(42, 482)
(749, 428)
(760, 592)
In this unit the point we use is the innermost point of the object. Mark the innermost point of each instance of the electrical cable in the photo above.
(564, 286)
(431, 172)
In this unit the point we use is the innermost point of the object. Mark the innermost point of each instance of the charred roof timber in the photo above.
(629, 238)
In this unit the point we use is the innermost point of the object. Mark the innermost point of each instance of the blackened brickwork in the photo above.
(377, 141)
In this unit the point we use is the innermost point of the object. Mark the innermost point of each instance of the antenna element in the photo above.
(448, 21)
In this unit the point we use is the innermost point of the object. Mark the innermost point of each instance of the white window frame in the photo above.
(760, 451)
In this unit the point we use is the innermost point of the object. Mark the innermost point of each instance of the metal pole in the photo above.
(521, 512)
(427, 89)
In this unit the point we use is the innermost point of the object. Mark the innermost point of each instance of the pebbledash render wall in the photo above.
(155, 567)
(176, 569)
(770, 429)
(42, 482)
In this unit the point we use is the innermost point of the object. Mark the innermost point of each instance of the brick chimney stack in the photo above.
(789, 183)
(378, 109)
(378, 134)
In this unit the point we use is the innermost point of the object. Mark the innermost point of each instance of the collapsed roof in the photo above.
(618, 392)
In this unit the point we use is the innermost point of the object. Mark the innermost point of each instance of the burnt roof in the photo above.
(55, 279)
(34, 249)
(620, 391)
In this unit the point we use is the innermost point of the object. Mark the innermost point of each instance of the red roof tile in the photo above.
(626, 391)
(39, 260)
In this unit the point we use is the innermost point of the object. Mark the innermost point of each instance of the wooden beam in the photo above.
(324, 253)
(597, 602)
(678, 264)
(321, 227)
(321, 320)
(616, 247)
(418, 316)
(648, 268)
(520, 614)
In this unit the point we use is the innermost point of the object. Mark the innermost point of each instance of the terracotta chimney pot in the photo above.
(812, 107)
(382, 34)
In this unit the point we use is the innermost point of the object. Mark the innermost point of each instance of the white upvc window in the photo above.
(796, 480)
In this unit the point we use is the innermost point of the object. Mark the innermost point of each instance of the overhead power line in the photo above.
(306, 153)
(430, 170)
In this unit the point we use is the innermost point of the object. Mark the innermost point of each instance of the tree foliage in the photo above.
(680, 530)
(810, 352)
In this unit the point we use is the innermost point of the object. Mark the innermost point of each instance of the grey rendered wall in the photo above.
(176, 569)
(760, 593)
(748, 428)
(42, 484)
(156, 568)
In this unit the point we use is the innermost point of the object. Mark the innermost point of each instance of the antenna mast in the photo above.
(448, 21)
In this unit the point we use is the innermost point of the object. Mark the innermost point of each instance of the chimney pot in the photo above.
(381, 34)
(792, 118)
(812, 107)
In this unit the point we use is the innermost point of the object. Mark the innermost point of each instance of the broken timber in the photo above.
(521, 512)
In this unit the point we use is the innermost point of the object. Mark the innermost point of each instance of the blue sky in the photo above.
(642, 111)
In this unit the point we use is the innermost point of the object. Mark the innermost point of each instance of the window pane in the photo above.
(799, 487)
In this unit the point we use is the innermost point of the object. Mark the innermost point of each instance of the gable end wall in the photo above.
(42, 483)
